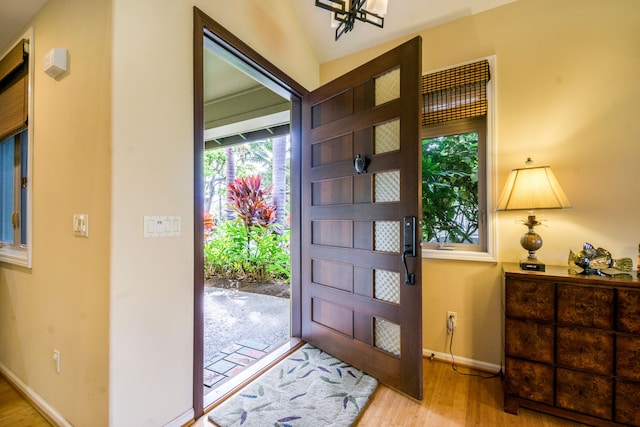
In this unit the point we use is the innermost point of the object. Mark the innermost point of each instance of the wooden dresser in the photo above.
(572, 345)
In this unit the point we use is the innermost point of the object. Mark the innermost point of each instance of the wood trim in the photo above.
(198, 208)
(246, 54)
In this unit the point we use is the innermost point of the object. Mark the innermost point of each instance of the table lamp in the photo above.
(532, 188)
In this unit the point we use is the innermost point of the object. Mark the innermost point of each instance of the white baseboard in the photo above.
(182, 420)
(463, 361)
(34, 399)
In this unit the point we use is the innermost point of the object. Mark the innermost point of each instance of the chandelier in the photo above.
(345, 12)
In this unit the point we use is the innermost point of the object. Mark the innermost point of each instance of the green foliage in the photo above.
(249, 248)
(252, 253)
(450, 188)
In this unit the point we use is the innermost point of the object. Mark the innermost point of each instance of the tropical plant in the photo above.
(253, 254)
(248, 247)
(249, 201)
(450, 188)
(209, 225)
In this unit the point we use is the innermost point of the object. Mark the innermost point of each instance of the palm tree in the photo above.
(279, 180)
(230, 178)
(214, 162)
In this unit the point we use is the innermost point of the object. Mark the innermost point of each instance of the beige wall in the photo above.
(113, 139)
(152, 278)
(567, 90)
(62, 302)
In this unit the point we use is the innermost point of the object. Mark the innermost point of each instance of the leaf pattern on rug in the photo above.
(298, 395)
(329, 381)
(309, 388)
(281, 420)
(345, 399)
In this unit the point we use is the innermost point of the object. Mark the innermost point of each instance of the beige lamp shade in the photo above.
(532, 188)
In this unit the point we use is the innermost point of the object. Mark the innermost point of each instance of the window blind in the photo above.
(455, 93)
(14, 90)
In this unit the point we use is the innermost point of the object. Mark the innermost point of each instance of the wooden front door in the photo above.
(359, 303)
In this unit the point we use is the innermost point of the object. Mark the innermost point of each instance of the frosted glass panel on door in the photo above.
(386, 236)
(387, 336)
(387, 137)
(386, 187)
(387, 86)
(386, 286)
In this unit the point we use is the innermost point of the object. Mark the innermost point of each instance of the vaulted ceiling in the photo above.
(229, 112)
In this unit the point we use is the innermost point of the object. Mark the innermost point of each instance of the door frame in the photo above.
(250, 61)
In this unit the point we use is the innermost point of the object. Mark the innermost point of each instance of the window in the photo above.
(457, 163)
(16, 143)
(13, 153)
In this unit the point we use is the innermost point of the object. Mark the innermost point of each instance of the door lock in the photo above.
(409, 249)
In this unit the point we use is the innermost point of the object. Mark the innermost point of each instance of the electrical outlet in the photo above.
(452, 320)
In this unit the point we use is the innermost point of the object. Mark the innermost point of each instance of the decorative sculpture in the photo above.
(599, 262)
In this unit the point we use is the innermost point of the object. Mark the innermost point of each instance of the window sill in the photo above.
(15, 256)
(458, 255)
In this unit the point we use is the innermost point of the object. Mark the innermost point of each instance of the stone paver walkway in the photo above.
(232, 360)
(239, 329)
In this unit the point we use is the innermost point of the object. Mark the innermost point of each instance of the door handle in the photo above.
(409, 249)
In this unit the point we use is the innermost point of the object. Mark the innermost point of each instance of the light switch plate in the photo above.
(81, 225)
(161, 226)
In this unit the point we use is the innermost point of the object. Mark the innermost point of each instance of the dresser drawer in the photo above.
(628, 357)
(530, 299)
(585, 306)
(586, 350)
(586, 393)
(627, 402)
(572, 345)
(529, 380)
(628, 318)
(529, 340)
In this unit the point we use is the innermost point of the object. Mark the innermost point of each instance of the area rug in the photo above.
(308, 388)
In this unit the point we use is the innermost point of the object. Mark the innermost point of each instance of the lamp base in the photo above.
(531, 265)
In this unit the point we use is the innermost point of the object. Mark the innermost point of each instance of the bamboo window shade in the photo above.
(14, 90)
(455, 93)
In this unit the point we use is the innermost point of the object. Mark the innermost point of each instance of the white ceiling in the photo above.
(403, 17)
(14, 15)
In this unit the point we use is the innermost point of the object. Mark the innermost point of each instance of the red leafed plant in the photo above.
(209, 224)
(249, 201)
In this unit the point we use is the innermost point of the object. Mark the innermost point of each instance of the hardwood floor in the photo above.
(450, 399)
(15, 411)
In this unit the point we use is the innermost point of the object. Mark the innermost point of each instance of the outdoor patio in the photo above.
(240, 328)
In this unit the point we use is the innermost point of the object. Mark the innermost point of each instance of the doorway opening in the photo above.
(247, 304)
(261, 108)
